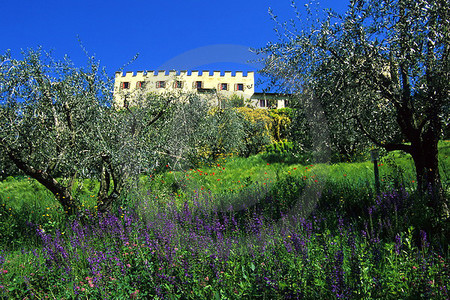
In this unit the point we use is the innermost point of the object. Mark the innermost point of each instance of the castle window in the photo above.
(224, 86)
(198, 84)
(178, 84)
(160, 84)
(262, 103)
(239, 87)
(140, 84)
(125, 85)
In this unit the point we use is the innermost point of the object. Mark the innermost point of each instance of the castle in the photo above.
(212, 86)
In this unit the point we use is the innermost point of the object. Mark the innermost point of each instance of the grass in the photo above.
(233, 175)
(237, 173)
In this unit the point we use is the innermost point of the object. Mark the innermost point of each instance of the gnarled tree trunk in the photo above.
(61, 193)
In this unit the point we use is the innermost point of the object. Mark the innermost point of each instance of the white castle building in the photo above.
(212, 85)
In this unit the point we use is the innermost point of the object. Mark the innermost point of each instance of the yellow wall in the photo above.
(209, 81)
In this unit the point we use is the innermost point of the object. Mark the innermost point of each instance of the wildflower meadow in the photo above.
(235, 229)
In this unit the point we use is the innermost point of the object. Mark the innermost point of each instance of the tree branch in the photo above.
(388, 146)
(160, 113)
(61, 192)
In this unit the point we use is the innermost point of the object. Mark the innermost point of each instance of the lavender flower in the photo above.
(423, 240)
(398, 243)
(338, 285)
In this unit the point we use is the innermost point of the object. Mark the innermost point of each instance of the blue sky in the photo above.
(191, 34)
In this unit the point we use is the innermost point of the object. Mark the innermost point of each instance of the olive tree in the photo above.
(58, 123)
(382, 68)
(185, 129)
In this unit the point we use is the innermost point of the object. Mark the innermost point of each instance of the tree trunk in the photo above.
(427, 169)
(425, 156)
(106, 199)
(105, 203)
(60, 192)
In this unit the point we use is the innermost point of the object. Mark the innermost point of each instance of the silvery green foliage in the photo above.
(190, 130)
(58, 124)
(49, 112)
(184, 131)
(380, 71)
(47, 107)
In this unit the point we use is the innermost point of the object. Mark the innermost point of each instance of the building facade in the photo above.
(213, 86)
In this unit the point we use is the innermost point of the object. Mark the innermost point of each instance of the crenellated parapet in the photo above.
(163, 74)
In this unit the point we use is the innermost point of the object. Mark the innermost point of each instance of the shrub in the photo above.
(284, 152)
